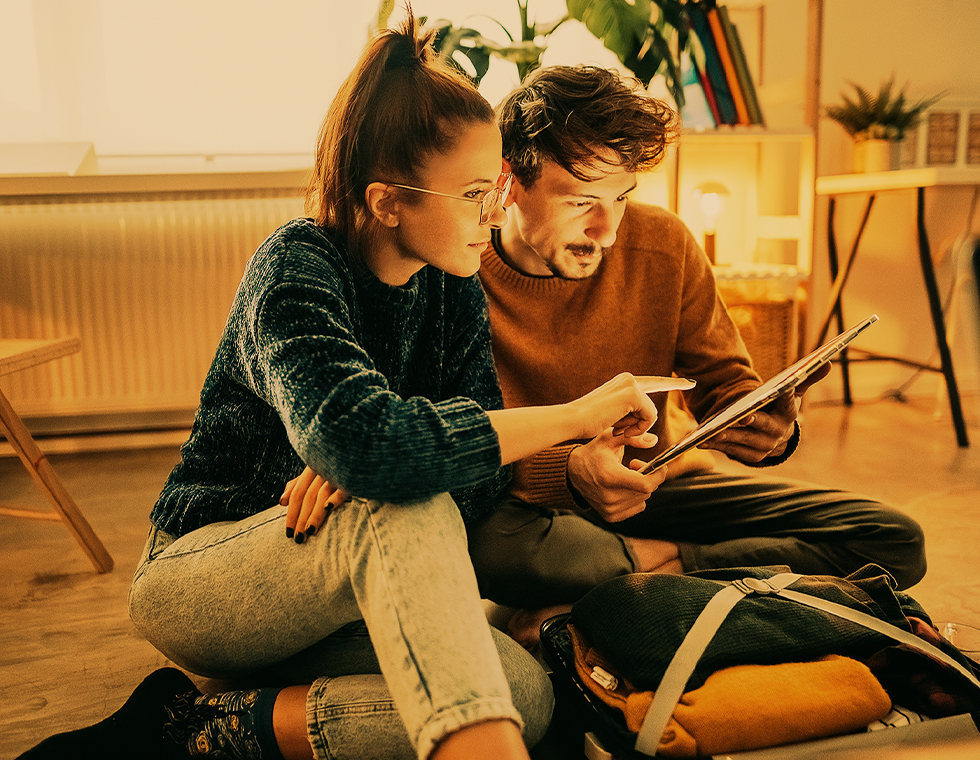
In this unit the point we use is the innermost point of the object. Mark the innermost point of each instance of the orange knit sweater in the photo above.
(651, 309)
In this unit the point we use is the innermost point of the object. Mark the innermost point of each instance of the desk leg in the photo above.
(837, 309)
(48, 481)
(840, 279)
(938, 322)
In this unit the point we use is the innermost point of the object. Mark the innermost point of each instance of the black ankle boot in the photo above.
(141, 728)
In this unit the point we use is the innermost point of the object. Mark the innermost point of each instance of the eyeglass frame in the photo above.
(486, 210)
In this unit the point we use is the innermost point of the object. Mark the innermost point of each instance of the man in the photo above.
(583, 284)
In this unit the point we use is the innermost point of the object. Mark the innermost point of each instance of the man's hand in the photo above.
(309, 498)
(596, 471)
(764, 433)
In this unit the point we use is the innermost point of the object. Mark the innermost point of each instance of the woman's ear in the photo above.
(382, 203)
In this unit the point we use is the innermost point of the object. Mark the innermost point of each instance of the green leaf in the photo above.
(621, 26)
(458, 46)
(639, 34)
(385, 9)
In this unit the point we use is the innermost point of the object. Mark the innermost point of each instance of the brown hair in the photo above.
(566, 113)
(398, 105)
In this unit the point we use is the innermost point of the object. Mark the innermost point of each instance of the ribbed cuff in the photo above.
(791, 446)
(544, 479)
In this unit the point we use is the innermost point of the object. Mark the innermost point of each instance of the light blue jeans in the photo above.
(234, 599)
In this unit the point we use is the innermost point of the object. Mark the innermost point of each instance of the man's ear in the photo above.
(508, 168)
(382, 203)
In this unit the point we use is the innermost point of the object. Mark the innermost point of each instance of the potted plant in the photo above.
(640, 32)
(877, 123)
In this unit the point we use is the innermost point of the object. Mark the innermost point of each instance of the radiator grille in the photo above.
(146, 284)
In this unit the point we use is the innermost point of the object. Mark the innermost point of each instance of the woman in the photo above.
(357, 344)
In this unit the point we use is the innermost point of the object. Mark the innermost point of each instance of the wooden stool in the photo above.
(17, 355)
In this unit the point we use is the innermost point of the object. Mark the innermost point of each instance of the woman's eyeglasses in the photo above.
(488, 203)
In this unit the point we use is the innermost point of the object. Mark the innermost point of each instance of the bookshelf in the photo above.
(763, 233)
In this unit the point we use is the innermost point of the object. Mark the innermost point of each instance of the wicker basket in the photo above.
(767, 321)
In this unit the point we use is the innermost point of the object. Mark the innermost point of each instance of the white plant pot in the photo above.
(874, 155)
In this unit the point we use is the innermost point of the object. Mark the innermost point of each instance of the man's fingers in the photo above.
(655, 384)
(644, 441)
(816, 377)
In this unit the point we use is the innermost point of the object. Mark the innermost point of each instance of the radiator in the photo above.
(146, 283)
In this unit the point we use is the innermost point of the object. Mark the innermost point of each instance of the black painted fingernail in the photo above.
(300, 538)
(311, 531)
(289, 532)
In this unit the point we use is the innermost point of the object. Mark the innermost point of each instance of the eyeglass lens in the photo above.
(491, 199)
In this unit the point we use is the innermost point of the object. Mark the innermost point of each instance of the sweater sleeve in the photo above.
(471, 374)
(340, 414)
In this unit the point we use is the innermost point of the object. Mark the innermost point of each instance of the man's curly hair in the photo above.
(568, 114)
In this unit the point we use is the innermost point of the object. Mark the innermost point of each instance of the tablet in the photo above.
(785, 381)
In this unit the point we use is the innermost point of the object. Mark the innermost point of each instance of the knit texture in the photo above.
(638, 621)
(651, 309)
(380, 389)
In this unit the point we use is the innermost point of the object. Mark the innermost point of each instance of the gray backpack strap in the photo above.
(689, 653)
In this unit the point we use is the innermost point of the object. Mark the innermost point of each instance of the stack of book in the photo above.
(719, 87)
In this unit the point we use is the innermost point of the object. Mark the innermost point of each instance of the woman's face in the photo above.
(445, 232)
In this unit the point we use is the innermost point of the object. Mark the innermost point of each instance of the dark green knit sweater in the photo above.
(379, 389)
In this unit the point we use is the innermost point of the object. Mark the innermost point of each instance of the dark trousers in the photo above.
(529, 556)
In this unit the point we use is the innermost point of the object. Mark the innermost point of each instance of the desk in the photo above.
(873, 183)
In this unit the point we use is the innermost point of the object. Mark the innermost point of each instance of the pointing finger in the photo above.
(655, 384)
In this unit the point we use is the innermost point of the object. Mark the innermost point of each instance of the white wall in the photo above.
(175, 76)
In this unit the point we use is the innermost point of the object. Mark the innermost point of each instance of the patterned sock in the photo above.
(236, 725)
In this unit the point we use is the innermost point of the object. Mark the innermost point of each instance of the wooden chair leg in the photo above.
(48, 481)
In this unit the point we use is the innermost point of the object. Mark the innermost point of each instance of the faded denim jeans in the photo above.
(234, 599)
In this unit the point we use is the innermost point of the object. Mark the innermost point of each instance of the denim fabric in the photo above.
(531, 556)
(235, 598)
(353, 717)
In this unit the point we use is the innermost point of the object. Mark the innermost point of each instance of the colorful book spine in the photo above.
(712, 65)
(709, 93)
(718, 33)
(696, 113)
(737, 52)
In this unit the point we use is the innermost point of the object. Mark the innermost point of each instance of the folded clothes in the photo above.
(745, 707)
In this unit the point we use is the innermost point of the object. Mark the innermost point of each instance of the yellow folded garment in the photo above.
(748, 706)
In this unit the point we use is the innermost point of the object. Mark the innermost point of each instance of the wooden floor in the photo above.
(69, 655)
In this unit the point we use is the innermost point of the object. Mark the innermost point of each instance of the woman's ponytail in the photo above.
(399, 104)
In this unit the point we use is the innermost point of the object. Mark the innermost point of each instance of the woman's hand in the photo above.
(309, 498)
(623, 404)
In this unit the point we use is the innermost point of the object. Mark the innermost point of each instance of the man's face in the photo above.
(560, 225)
